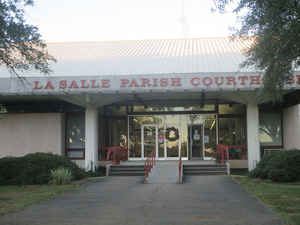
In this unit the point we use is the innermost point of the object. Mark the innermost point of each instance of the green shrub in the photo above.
(35, 168)
(61, 176)
(99, 172)
(284, 166)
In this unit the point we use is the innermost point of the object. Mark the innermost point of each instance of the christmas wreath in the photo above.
(172, 134)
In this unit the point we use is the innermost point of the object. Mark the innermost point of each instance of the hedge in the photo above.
(282, 166)
(35, 168)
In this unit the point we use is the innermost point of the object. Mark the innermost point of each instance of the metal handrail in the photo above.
(148, 165)
(223, 150)
(180, 170)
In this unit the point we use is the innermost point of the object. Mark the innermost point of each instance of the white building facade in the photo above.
(176, 97)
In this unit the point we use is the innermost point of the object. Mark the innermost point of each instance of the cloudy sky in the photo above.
(98, 20)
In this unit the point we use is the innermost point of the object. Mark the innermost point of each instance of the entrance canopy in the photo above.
(103, 73)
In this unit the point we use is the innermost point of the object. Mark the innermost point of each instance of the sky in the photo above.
(101, 20)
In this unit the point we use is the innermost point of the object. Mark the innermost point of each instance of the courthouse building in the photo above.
(176, 96)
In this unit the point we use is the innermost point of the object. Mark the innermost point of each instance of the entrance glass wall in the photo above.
(174, 131)
(172, 135)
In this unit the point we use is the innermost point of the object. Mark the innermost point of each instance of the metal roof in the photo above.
(143, 57)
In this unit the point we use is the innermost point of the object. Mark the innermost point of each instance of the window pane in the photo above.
(232, 109)
(232, 131)
(75, 154)
(270, 132)
(75, 136)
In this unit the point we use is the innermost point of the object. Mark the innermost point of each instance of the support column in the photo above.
(91, 138)
(253, 135)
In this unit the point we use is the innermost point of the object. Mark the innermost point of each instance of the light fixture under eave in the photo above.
(213, 124)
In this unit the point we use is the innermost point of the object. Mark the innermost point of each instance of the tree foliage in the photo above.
(275, 27)
(21, 46)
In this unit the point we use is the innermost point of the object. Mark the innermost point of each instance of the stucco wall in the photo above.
(238, 164)
(31, 132)
(291, 127)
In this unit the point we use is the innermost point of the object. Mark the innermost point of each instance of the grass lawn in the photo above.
(15, 198)
(282, 197)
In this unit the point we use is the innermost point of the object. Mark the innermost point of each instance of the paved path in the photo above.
(209, 200)
(164, 173)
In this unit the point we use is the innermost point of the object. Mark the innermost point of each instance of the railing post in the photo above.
(222, 156)
(149, 164)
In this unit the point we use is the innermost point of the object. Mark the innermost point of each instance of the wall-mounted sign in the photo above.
(226, 81)
(196, 136)
(206, 139)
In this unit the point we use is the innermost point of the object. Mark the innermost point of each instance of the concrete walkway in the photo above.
(164, 173)
(207, 200)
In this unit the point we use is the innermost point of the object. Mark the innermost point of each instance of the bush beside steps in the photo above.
(36, 168)
(282, 166)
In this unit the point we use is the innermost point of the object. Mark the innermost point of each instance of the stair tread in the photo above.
(127, 169)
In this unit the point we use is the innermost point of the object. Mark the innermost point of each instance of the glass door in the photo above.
(196, 141)
(210, 139)
(149, 140)
(172, 141)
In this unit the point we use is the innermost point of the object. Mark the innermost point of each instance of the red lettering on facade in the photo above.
(298, 78)
(155, 82)
(36, 85)
(133, 83)
(243, 79)
(93, 84)
(291, 80)
(164, 82)
(195, 81)
(62, 84)
(230, 81)
(105, 83)
(207, 81)
(73, 84)
(49, 85)
(83, 84)
(145, 82)
(175, 82)
(254, 80)
(219, 83)
(124, 83)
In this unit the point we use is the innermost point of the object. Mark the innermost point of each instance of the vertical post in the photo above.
(252, 135)
(91, 138)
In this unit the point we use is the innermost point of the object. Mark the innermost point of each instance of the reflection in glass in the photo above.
(210, 138)
(232, 131)
(196, 140)
(171, 148)
(270, 133)
(232, 109)
(149, 140)
(161, 142)
(75, 135)
(173, 143)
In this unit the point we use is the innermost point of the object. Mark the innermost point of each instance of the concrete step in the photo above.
(127, 170)
(205, 169)
(206, 173)
(201, 170)
(201, 166)
(126, 173)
